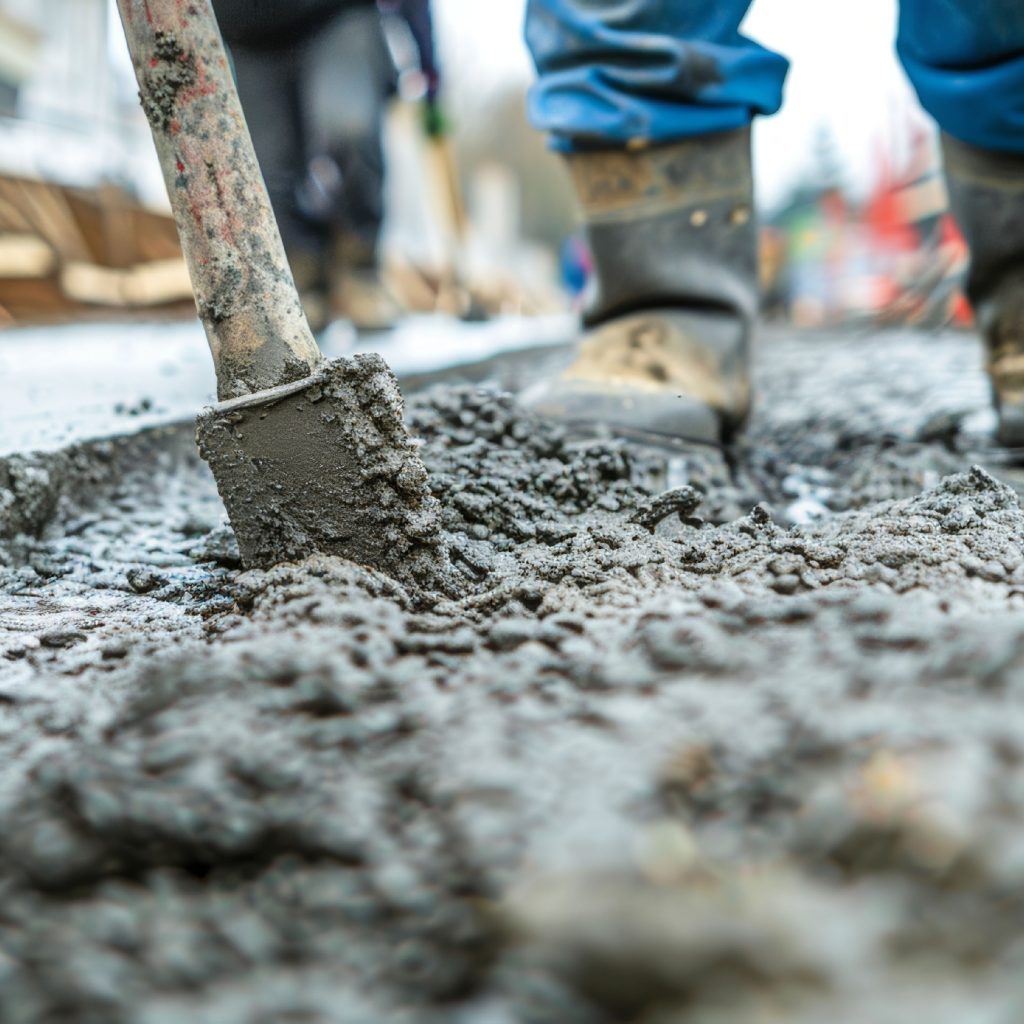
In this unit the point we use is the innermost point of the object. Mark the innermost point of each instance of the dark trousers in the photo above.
(314, 77)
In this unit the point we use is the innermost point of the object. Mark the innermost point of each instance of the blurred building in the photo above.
(84, 226)
(63, 115)
(21, 42)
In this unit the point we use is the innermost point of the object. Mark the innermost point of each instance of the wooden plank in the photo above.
(147, 284)
(26, 256)
(50, 215)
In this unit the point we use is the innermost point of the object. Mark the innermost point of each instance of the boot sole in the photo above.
(629, 413)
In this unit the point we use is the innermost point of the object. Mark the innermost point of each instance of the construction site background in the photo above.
(85, 228)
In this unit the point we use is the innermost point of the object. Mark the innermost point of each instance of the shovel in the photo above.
(309, 455)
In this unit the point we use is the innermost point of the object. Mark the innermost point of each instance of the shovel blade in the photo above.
(323, 465)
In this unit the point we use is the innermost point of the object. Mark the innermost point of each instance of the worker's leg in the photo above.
(965, 58)
(652, 102)
(348, 78)
(264, 42)
(271, 23)
(267, 82)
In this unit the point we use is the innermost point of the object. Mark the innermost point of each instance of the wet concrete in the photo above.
(748, 750)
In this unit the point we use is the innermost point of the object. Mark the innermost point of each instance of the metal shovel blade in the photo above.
(324, 465)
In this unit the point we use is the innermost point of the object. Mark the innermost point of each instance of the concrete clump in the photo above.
(612, 773)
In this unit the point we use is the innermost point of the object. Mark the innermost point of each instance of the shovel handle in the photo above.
(449, 187)
(243, 288)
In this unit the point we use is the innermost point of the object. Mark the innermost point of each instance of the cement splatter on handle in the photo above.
(244, 290)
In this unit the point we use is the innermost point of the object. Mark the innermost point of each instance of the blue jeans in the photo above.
(612, 71)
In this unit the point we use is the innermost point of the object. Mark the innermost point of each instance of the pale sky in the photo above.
(844, 74)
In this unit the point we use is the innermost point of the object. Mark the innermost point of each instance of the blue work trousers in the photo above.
(616, 71)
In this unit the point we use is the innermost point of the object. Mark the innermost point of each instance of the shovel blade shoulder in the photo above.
(323, 465)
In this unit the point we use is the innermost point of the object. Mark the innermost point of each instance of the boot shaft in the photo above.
(670, 226)
(986, 194)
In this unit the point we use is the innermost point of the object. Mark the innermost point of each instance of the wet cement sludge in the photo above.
(680, 742)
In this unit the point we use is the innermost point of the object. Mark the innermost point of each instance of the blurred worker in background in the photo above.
(315, 78)
(652, 104)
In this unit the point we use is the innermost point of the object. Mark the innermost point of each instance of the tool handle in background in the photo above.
(449, 188)
(454, 294)
(244, 291)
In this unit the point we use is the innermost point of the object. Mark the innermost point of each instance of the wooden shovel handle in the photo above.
(243, 288)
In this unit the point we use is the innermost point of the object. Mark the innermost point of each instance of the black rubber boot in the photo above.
(310, 276)
(358, 290)
(668, 327)
(986, 192)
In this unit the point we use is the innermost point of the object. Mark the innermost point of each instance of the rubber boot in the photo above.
(674, 291)
(308, 271)
(986, 192)
(358, 292)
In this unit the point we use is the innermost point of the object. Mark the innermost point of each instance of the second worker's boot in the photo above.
(986, 191)
(308, 272)
(359, 293)
(674, 299)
